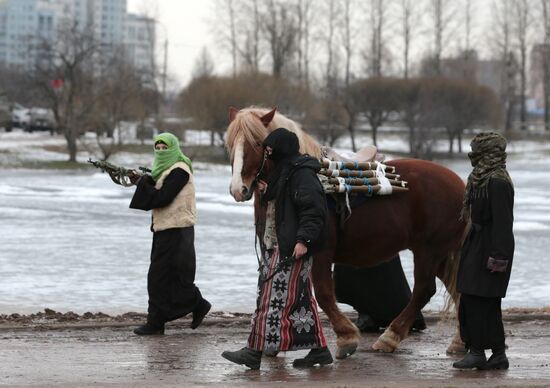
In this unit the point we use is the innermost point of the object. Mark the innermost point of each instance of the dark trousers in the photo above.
(481, 322)
(382, 291)
(171, 277)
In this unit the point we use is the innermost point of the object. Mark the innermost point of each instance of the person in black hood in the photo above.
(286, 316)
(487, 253)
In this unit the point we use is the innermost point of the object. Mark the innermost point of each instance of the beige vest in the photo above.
(181, 212)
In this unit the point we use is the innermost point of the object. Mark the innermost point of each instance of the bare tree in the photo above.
(409, 18)
(250, 51)
(304, 14)
(377, 98)
(204, 65)
(280, 30)
(522, 22)
(64, 75)
(443, 20)
(122, 92)
(347, 38)
(546, 61)
(332, 15)
(377, 17)
(347, 34)
(469, 13)
(502, 37)
(226, 22)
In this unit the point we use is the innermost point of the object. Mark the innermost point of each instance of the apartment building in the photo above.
(24, 23)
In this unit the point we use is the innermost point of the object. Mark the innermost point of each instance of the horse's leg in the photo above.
(424, 288)
(448, 272)
(347, 334)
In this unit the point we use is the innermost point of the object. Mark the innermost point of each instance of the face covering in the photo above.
(164, 159)
(488, 158)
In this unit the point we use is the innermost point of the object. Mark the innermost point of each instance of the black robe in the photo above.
(381, 292)
(171, 276)
(491, 235)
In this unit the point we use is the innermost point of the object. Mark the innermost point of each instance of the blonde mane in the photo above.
(247, 125)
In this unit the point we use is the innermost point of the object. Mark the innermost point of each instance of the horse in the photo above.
(424, 219)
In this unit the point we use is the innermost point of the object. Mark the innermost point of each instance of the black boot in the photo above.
(246, 356)
(498, 360)
(199, 313)
(319, 356)
(149, 329)
(419, 324)
(474, 359)
(366, 324)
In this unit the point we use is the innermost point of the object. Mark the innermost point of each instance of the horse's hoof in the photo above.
(388, 341)
(382, 346)
(456, 348)
(345, 351)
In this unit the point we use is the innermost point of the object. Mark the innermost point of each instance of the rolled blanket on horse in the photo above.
(367, 177)
(355, 174)
(341, 165)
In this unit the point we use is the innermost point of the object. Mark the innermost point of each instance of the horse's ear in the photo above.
(266, 119)
(232, 113)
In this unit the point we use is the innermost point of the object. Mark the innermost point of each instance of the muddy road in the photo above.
(49, 350)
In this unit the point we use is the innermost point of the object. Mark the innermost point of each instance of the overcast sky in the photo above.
(187, 27)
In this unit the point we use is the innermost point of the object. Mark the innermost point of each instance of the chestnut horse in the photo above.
(425, 219)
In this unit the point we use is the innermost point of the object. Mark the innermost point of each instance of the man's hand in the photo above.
(262, 186)
(300, 249)
(134, 177)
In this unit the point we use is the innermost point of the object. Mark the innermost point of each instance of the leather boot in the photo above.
(199, 313)
(419, 324)
(319, 356)
(246, 356)
(366, 324)
(474, 359)
(271, 353)
(498, 360)
(149, 329)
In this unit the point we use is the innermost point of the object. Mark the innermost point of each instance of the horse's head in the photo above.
(245, 134)
(247, 130)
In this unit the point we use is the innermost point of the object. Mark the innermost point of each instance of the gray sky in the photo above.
(187, 26)
(187, 23)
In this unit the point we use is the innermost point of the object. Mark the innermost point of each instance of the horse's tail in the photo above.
(449, 280)
(450, 275)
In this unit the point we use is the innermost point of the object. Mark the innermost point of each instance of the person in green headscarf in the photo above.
(170, 193)
(487, 254)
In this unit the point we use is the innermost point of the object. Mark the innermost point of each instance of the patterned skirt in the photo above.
(286, 316)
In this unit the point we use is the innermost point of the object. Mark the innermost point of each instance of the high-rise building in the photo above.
(107, 18)
(139, 42)
(24, 23)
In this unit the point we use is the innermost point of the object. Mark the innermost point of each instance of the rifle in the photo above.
(119, 175)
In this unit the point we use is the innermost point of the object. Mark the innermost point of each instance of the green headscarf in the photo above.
(488, 159)
(164, 159)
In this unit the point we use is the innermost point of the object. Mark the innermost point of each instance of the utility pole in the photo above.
(165, 68)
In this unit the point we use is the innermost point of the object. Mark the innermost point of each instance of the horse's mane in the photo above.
(248, 126)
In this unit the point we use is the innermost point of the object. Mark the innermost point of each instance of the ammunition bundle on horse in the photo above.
(119, 175)
(360, 177)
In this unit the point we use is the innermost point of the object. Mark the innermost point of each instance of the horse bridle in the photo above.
(259, 173)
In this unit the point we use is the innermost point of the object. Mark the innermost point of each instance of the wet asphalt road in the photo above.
(90, 355)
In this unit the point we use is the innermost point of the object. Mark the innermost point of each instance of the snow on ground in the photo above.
(70, 242)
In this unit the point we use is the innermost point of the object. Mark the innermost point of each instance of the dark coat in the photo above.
(301, 207)
(491, 235)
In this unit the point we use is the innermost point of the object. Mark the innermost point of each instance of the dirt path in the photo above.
(101, 351)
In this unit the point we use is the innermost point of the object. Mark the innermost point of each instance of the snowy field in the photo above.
(69, 242)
